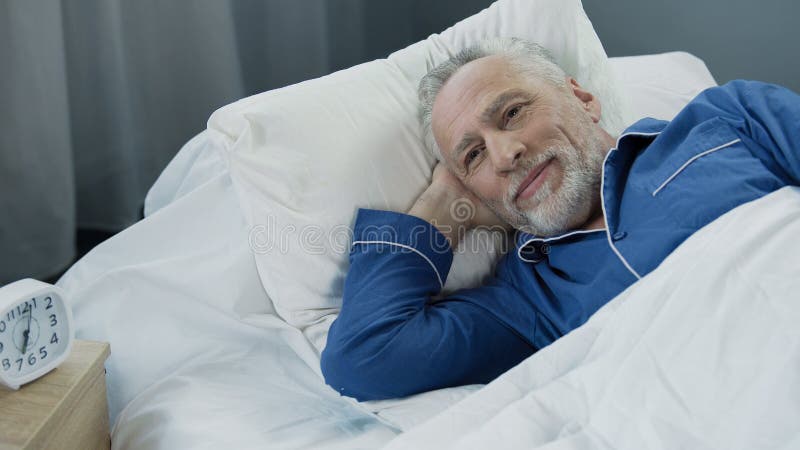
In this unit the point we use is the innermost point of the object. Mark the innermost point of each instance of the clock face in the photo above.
(33, 333)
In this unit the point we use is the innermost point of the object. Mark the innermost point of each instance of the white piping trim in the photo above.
(692, 159)
(553, 238)
(605, 218)
(408, 247)
(603, 201)
(545, 240)
(635, 133)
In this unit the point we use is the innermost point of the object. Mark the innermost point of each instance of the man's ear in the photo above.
(591, 104)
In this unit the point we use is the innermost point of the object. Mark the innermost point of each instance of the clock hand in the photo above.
(28, 331)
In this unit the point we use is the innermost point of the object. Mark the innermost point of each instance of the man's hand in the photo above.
(452, 208)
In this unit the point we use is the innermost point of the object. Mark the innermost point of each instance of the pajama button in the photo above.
(619, 235)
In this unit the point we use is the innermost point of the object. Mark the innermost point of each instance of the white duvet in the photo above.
(703, 353)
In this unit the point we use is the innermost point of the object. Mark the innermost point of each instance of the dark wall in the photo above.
(736, 38)
(363, 30)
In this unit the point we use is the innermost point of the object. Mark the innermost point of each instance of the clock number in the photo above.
(49, 302)
(42, 353)
(11, 315)
(53, 321)
(1, 347)
(6, 364)
(19, 361)
(2, 326)
(54, 339)
(29, 305)
(31, 359)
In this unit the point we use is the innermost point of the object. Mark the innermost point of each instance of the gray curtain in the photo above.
(98, 95)
(37, 199)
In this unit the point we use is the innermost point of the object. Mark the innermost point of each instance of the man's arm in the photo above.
(391, 339)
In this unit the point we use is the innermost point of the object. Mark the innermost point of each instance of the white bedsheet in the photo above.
(703, 353)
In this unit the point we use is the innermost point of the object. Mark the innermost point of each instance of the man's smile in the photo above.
(536, 177)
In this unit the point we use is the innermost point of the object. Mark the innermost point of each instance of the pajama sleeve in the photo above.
(393, 337)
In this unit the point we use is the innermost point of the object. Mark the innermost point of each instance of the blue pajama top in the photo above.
(661, 183)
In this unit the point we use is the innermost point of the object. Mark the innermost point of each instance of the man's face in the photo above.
(532, 151)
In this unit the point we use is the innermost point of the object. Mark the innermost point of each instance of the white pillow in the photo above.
(305, 157)
(659, 86)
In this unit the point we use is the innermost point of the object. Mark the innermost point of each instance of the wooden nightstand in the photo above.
(65, 409)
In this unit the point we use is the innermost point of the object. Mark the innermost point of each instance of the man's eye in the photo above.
(474, 153)
(513, 112)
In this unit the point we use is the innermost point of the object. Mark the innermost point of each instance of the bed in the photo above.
(216, 323)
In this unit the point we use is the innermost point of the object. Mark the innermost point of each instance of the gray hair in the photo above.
(526, 56)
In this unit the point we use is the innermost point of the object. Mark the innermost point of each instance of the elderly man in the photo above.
(593, 214)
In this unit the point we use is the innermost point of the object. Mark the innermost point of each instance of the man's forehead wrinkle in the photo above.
(455, 116)
(449, 125)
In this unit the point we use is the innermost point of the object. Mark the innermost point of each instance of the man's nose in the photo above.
(504, 152)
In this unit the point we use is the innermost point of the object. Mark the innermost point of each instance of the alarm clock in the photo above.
(36, 331)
